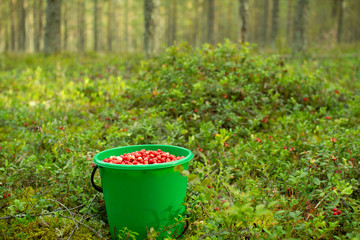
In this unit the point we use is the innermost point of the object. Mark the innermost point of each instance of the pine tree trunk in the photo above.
(173, 22)
(264, 23)
(37, 8)
(66, 27)
(340, 20)
(126, 26)
(52, 42)
(196, 22)
(150, 36)
(95, 25)
(289, 22)
(21, 25)
(299, 33)
(230, 20)
(110, 25)
(244, 13)
(81, 25)
(116, 25)
(275, 21)
(13, 24)
(210, 22)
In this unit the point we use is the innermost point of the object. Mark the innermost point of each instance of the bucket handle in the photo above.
(92, 180)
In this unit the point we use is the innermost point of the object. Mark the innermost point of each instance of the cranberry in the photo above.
(4, 196)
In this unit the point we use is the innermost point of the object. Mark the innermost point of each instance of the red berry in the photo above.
(217, 209)
(284, 147)
(200, 149)
(333, 188)
(338, 212)
(328, 118)
(335, 213)
(337, 91)
(107, 126)
(334, 159)
(8, 194)
(305, 99)
(333, 140)
(226, 144)
(334, 209)
(61, 128)
(4, 196)
(258, 140)
(195, 110)
(26, 124)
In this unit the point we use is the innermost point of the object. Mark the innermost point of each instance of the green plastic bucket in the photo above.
(138, 197)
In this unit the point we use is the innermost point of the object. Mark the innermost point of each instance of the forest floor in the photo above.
(275, 140)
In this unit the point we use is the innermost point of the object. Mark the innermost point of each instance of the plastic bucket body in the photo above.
(138, 197)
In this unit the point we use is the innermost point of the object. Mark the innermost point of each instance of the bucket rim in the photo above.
(98, 158)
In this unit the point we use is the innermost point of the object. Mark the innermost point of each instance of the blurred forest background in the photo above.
(283, 26)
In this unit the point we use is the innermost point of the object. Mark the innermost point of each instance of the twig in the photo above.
(74, 229)
(204, 210)
(39, 214)
(317, 206)
(65, 208)
(81, 223)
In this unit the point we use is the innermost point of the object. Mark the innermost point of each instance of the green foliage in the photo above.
(275, 141)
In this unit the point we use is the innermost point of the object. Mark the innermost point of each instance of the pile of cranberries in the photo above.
(143, 157)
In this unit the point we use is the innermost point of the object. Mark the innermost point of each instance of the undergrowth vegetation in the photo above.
(276, 142)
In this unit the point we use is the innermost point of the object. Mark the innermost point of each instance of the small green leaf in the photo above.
(316, 181)
(347, 190)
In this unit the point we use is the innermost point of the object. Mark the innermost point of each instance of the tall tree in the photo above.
(126, 26)
(340, 20)
(173, 22)
(66, 26)
(244, 13)
(299, 32)
(52, 41)
(289, 21)
(230, 19)
(264, 23)
(110, 25)
(21, 25)
(96, 25)
(151, 43)
(275, 20)
(196, 22)
(13, 24)
(210, 22)
(81, 25)
(38, 23)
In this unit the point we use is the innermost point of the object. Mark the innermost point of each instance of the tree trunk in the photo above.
(210, 22)
(288, 22)
(13, 24)
(244, 13)
(150, 38)
(81, 25)
(52, 41)
(110, 25)
(126, 26)
(66, 27)
(21, 25)
(173, 22)
(37, 19)
(299, 33)
(275, 20)
(196, 22)
(95, 25)
(230, 20)
(116, 25)
(264, 23)
(340, 20)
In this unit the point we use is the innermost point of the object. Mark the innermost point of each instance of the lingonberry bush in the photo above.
(275, 141)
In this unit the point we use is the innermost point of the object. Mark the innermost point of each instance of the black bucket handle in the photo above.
(92, 180)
